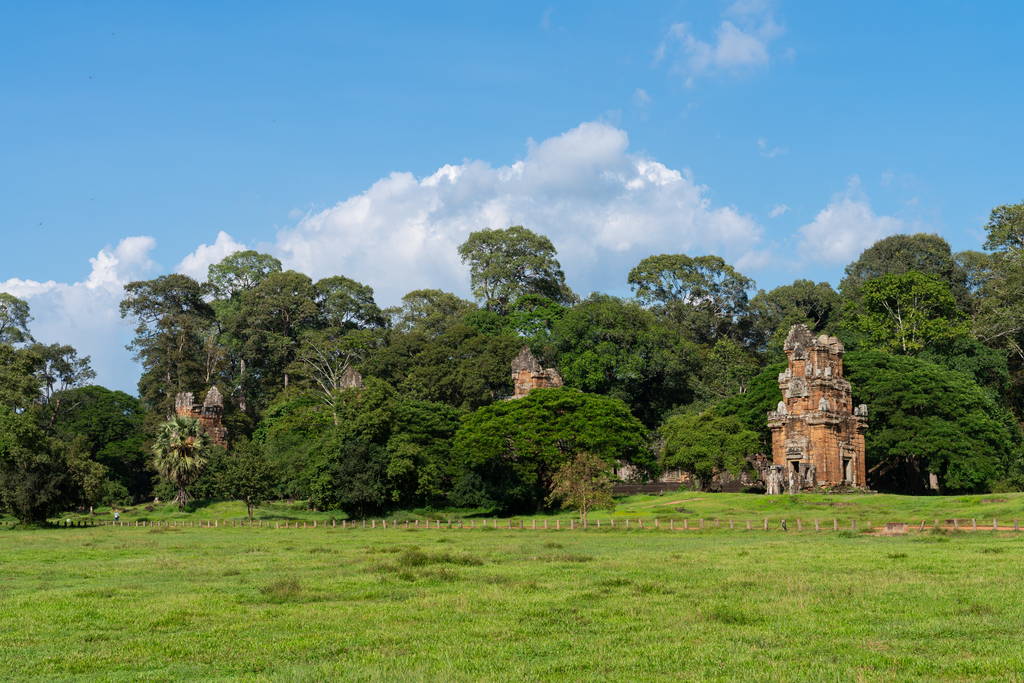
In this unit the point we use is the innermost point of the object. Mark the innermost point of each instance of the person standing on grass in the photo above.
(117, 516)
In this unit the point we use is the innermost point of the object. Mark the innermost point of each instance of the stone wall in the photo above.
(817, 433)
(210, 413)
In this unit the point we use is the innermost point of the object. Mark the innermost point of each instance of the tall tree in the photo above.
(346, 304)
(249, 477)
(908, 312)
(705, 445)
(815, 305)
(927, 419)
(900, 254)
(240, 272)
(506, 264)
(170, 314)
(583, 483)
(179, 453)
(515, 447)
(14, 320)
(610, 346)
(429, 311)
(19, 377)
(61, 371)
(703, 293)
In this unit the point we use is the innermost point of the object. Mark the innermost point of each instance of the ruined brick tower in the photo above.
(817, 433)
(527, 374)
(210, 413)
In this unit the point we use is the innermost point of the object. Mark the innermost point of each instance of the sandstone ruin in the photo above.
(210, 413)
(528, 375)
(817, 433)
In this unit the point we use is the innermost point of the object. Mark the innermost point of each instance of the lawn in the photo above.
(240, 603)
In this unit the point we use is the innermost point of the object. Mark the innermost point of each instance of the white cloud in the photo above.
(765, 152)
(604, 207)
(734, 51)
(778, 210)
(641, 98)
(85, 314)
(844, 228)
(545, 20)
(197, 263)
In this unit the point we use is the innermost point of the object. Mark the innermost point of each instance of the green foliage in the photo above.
(618, 348)
(901, 254)
(461, 366)
(14, 320)
(249, 477)
(111, 422)
(61, 370)
(179, 453)
(420, 466)
(705, 445)
(171, 317)
(240, 272)
(507, 264)
(516, 446)
(907, 313)
(726, 370)
(346, 304)
(925, 418)
(816, 305)
(36, 478)
(349, 475)
(584, 484)
(430, 311)
(752, 407)
(19, 380)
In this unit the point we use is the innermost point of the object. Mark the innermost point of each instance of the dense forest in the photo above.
(680, 376)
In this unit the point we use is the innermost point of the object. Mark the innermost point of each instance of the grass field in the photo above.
(145, 603)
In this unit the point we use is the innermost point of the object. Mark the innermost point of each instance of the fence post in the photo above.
(509, 522)
(558, 524)
(655, 522)
(671, 525)
(922, 526)
(520, 524)
(835, 524)
(535, 524)
(702, 524)
(640, 523)
(686, 524)
(956, 525)
(598, 523)
(748, 525)
(799, 524)
(995, 526)
(766, 524)
(545, 524)
(1015, 527)
(936, 524)
(572, 525)
(364, 523)
(731, 525)
(627, 523)
(853, 525)
(613, 523)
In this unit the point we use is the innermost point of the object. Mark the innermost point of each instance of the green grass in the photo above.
(876, 508)
(156, 604)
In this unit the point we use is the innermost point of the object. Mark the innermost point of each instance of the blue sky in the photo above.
(369, 138)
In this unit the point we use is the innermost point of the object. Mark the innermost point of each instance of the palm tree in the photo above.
(179, 453)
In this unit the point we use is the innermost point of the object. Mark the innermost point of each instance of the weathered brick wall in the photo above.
(209, 413)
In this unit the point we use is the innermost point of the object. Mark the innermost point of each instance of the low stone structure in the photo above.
(210, 413)
(817, 433)
(528, 375)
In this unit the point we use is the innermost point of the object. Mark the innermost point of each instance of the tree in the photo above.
(240, 272)
(19, 380)
(14, 320)
(751, 408)
(324, 358)
(506, 264)
(249, 477)
(900, 254)
(727, 370)
(429, 311)
(179, 453)
(817, 306)
(927, 419)
(350, 476)
(170, 313)
(61, 371)
(906, 313)
(36, 479)
(609, 346)
(420, 467)
(583, 483)
(705, 445)
(516, 446)
(346, 304)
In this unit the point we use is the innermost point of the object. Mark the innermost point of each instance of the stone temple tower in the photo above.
(817, 433)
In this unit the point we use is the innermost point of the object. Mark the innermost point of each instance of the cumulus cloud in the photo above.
(604, 207)
(778, 210)
(844, 228)
(735, 49)
(197, 263)
(85, 314)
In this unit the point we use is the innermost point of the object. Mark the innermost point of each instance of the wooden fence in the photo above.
(625, 524)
